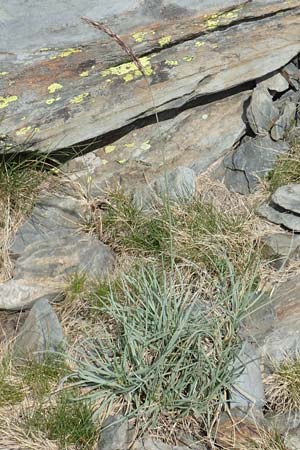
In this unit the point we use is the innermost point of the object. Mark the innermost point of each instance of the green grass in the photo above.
(11, 392)
(287, 169)
(40, 377)
(199, 232)
(173, 348)
(66, 421)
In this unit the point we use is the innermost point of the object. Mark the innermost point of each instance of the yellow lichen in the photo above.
(5, 101)
(130, 145)
(23, 131)
(109, 148)
(171, 63)
(66, 52)
(140, 36)
(79, 98)
(104, 161)
(145, 145)
(188, 58)
(3, 73)
(122, 161)
(54, 87)
(52, 100)
(211, 24)
(165, 40)
(129, 71)
(85, 73)
(199, 44)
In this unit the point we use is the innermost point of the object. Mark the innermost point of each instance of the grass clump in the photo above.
(11, 393)
(171, 352)
(66, 421)
(194, 231)
(283, 385)
(287, 169)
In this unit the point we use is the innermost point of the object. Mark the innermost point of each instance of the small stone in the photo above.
(177, 186)
(288, 197)
(292, 73)
(155, 444)
(281, 248)
(276, 83)
(20, 294)
(262, 113)
(236, 181)
(248, 389)
(116, 434)
(289, 221)
(292, 439)
(40, 333)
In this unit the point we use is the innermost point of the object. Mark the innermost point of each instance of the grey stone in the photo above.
(275, 83)
(283, 423)
(288, 197)
(53, 216)
(116, 434)
(248, 389)
(40, 333)
(53, 261)
(262, 113)
(287, 220)
(285, 122)
(252, 160)
(178, 185)
(292, 439)
(280, 248)
(282, 335)
(21, 294)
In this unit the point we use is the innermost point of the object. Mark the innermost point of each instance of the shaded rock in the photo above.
(178, 186)
(276, 83)
(286, 121)
(284, 218)
(248, 389)
(281, 248)
(53, 261)
(283, 423)
(116, 434)
(292, 73)
(21, 294)
(288, 197)
(262, 112)
(57, 215)
(40, 333)
(252, 160)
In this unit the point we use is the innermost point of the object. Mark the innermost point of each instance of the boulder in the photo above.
(40, 334)
(280, 217)
(252, 160)
(63, 82)
(285, 122)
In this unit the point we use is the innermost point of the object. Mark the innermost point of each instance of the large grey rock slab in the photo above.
(288, 197)
(78, 84)
(252, 160)
(54, 261)
(280, 217)
(21, 294)
(262, 113)
(40, 334)
(195, 138)
(248, 390)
